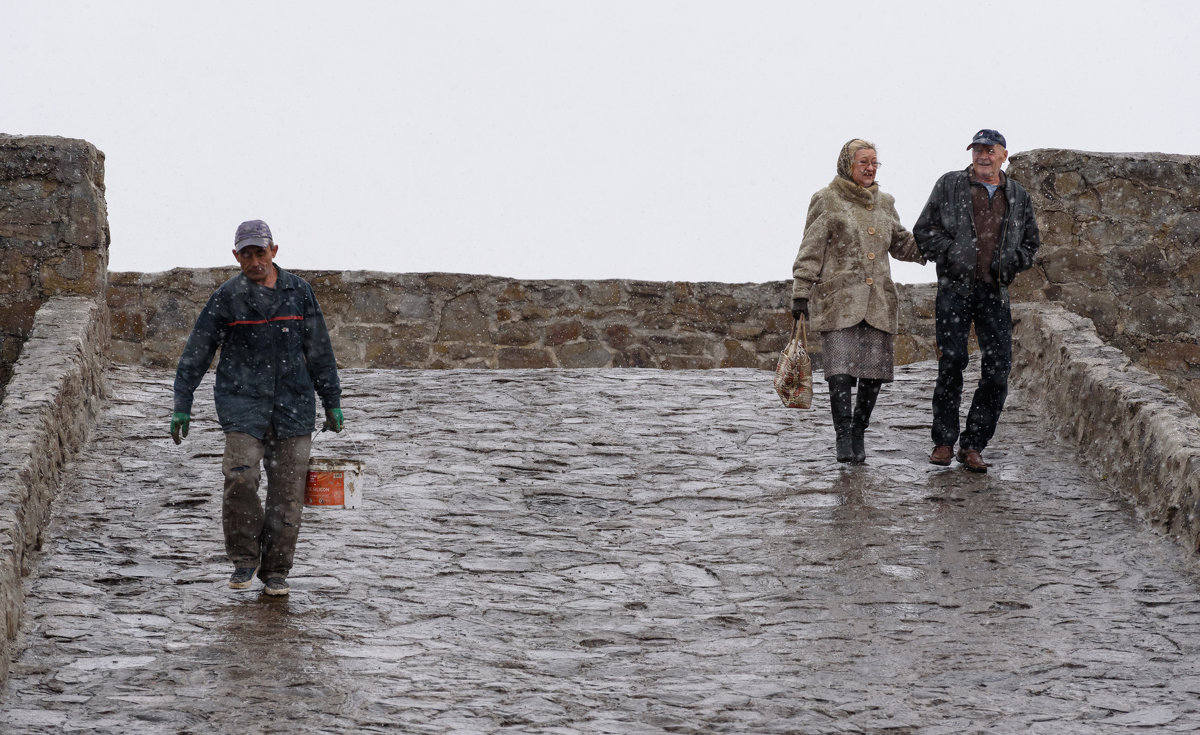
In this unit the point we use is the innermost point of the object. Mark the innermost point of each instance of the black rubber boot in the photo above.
(840, 400)
(864, 404)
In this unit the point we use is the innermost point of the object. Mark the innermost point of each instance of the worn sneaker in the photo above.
(242, 578)
(276, 586)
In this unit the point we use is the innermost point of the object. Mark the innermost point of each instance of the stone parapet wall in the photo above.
(1121, 246)
(446, 320)
(53, 397)
(1125, 422)
(53, 231)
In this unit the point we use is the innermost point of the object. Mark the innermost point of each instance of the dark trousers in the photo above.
(988, 309)
(258, 535)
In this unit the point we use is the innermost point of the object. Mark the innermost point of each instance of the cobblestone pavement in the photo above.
(610, 551)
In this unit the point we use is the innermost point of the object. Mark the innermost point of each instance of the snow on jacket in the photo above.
(270, 363)
(842, 267)
(945, 232)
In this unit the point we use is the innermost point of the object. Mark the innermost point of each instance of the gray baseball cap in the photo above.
(252, 233)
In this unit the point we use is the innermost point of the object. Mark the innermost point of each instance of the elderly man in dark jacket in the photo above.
(978, 226)
(275, 350)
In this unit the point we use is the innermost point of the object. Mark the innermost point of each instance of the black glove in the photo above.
(799, 308)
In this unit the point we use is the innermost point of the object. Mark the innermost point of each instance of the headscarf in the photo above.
(846, 158)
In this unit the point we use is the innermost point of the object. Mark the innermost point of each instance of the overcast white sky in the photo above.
(651, 139)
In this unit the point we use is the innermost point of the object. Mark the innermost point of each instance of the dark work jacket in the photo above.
(945, 233)
(270, 361)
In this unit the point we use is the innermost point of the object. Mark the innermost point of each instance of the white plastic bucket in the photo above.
(333, 483)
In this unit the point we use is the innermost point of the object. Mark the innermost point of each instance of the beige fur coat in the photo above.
(842, 267)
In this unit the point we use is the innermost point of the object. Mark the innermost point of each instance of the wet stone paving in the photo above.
(608, 551)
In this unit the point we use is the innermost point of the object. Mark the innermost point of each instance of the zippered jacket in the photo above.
(945, 233)
(271, 361)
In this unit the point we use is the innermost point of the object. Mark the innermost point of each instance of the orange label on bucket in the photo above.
(325, 488)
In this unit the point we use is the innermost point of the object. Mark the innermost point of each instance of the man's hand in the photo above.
(179, 425)
(799, 308)
(334, 421)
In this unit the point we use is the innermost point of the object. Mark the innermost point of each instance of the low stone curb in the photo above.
(52, 399)
(1088, 389)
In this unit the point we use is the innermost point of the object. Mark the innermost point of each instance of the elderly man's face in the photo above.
(987, 160)
(863, 167)
(256, 263)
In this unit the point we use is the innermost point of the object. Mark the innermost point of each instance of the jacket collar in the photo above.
(970, 169)
(854, 193)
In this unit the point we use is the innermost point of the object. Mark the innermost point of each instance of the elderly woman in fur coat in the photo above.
(842, 277)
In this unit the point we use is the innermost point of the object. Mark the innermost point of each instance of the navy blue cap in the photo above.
(988, 137)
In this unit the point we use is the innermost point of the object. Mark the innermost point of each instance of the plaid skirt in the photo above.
(862, 351)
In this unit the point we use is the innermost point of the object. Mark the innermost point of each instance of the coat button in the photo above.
(870, 207)
(870, 281)
(870, 256)
(870, 230)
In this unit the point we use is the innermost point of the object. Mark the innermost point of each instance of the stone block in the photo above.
(463, 321)
(173, 315)
(727, 307)
(678, 344)
(86, 221)
(1152, 315)
(687, 362)
(18, 212)
(1121, 198)
(657, 321)
(127, 353)
(1181, 358)
(737, 356)
(693, 316)
(396, 354)
(635, 356)
(562, 333)
(618, 336)
(772, 343)
(367, 334)
(16, 274)
(517, 334)
(448, 282)
(36, 233)
(604, 293)
(128, 325)
(465, 351)
(370, 304)
(80, 271)
(534, 312)
(524, 358)
(410, 305)
(1068, 184)
(512, 292)
(16, 317)
(745, 331)
(584, 355)
(1071, 265)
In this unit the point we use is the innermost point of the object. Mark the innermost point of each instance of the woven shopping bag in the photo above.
(793, 372)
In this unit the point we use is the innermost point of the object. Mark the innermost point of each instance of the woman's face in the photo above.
(864, 166)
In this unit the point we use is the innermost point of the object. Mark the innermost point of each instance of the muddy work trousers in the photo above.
(986, 308)
(258, 535)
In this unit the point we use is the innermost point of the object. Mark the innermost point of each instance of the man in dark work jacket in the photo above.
(275, 350)
(978, 226)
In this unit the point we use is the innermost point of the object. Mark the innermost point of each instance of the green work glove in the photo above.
(333, 420)
(179, 425)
